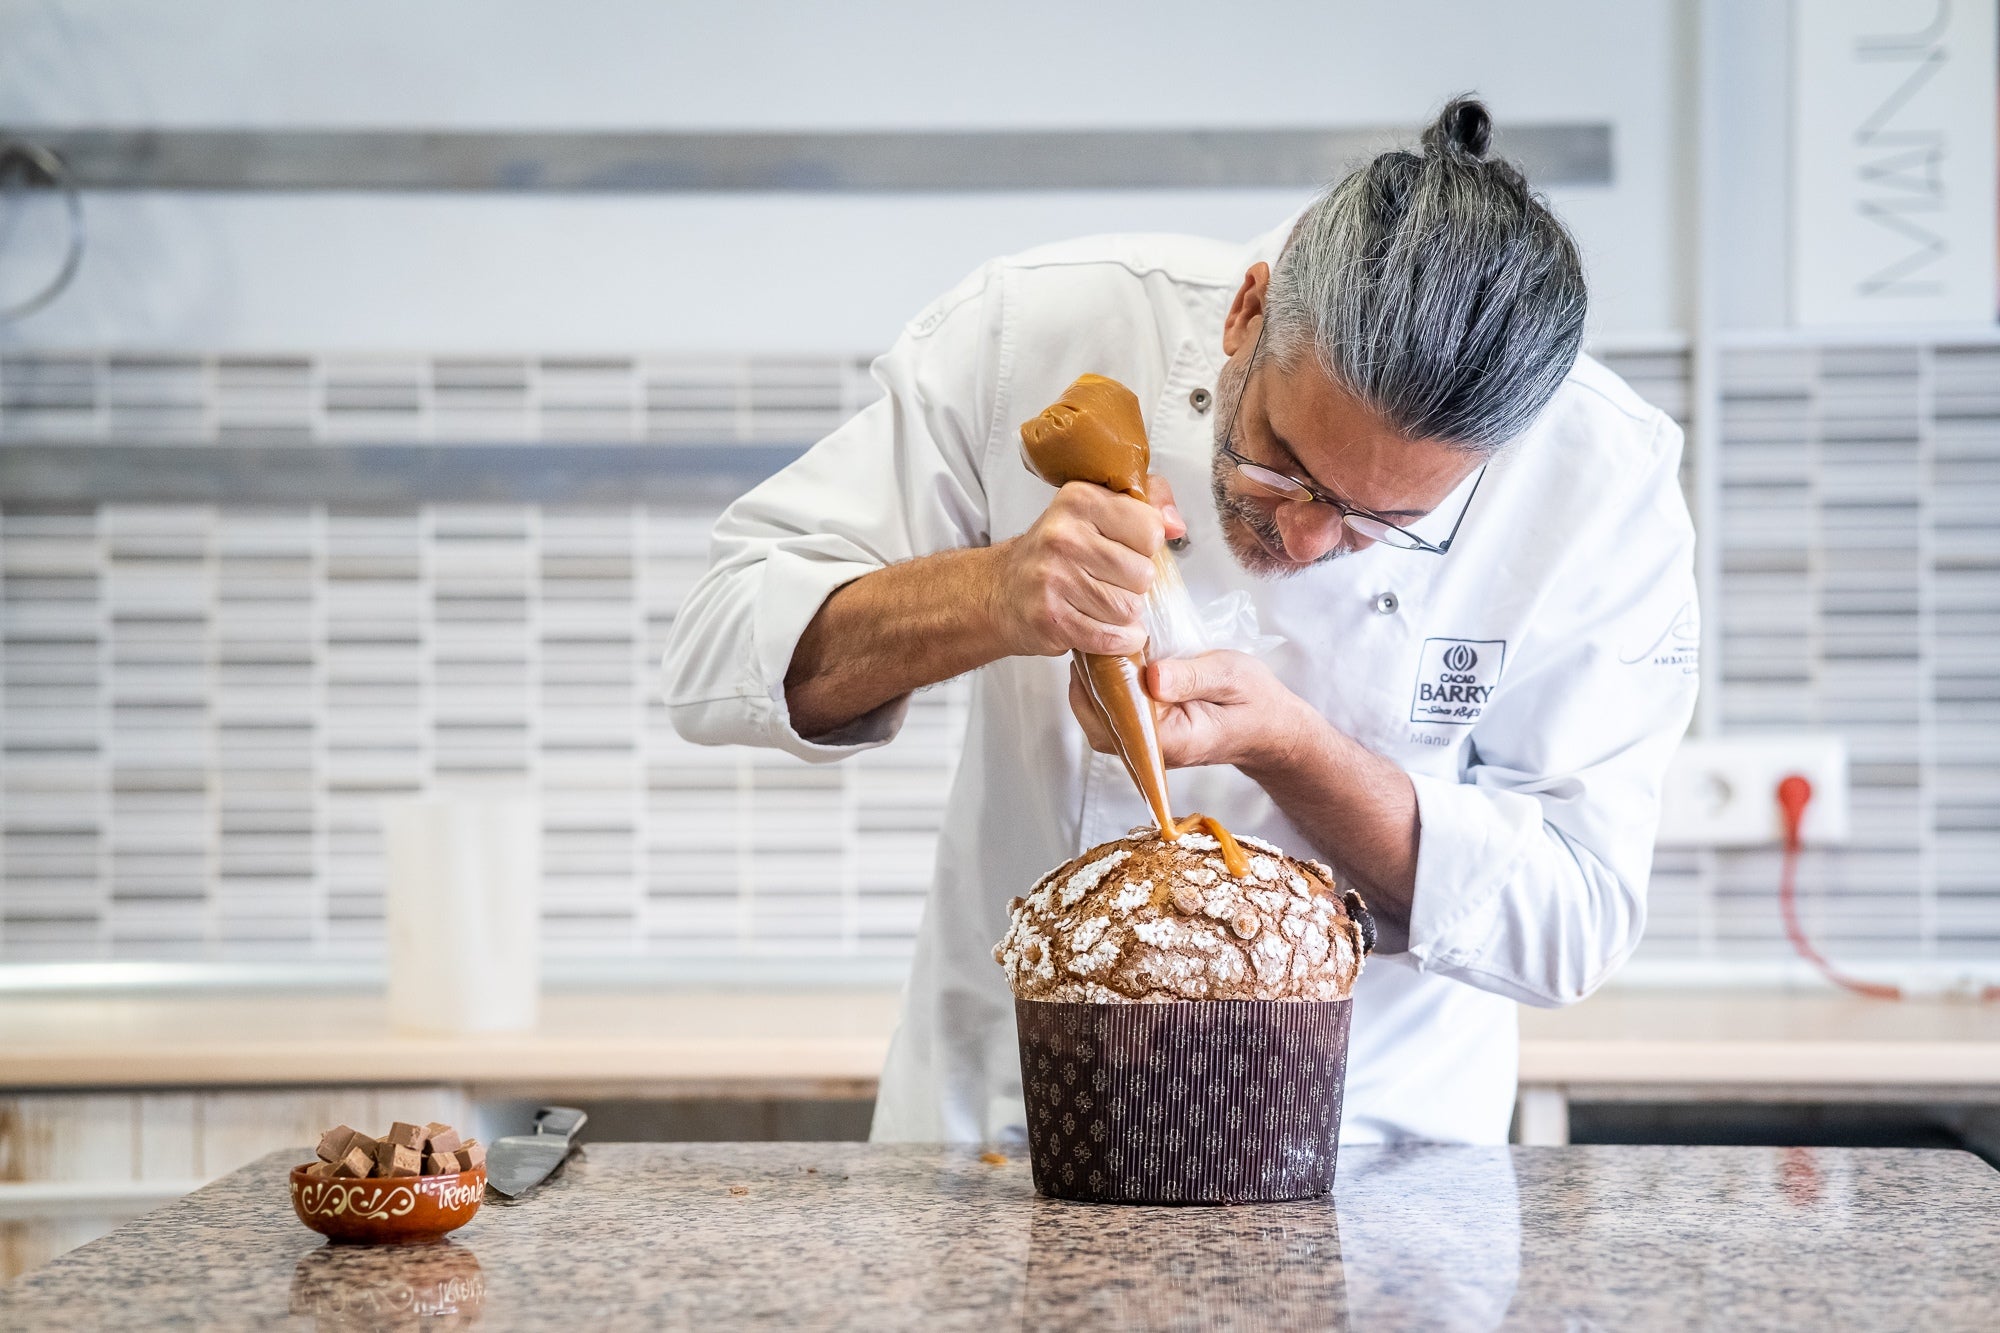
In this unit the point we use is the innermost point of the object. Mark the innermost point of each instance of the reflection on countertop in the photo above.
(884, 1236)
(428, 1286)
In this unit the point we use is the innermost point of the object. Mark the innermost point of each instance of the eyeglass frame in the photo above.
(1320, 495)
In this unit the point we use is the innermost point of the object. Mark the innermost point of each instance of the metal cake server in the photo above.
(519, 1162)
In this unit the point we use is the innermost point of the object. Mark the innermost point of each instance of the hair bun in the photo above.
(1462, 129)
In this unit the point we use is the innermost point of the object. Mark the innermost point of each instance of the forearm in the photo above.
(1358, 809)
(895, 630)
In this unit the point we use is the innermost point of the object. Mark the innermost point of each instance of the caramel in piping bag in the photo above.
(1095, 433)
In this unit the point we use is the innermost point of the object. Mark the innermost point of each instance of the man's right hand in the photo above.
(1077, 579)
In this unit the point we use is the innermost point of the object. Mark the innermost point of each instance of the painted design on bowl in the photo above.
(397, 1208)
(378, 1200)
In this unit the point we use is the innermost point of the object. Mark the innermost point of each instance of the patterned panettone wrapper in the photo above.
(1201, 1101)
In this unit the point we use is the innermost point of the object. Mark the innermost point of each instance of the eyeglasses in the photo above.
(1356, 519)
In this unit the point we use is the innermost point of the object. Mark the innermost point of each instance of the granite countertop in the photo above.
(809, 1236)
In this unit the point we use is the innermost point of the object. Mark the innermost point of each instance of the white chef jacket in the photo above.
(1533, 681)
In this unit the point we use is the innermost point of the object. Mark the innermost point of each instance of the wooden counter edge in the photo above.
(794, 1061)
(1752, 1063)
(445, 1061)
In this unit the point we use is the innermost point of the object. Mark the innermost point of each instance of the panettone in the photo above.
(1142, 920)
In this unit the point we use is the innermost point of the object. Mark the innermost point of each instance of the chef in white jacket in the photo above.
(1471, 540)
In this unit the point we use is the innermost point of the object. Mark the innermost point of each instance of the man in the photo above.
(1471, 540)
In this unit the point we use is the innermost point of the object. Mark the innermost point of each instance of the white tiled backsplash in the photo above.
(130, 398)
(203, 707)
(1861, 594)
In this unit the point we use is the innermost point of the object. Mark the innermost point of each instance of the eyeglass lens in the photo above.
(1275, 482)
(1278, 484)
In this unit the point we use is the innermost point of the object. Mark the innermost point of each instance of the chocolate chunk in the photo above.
(358, 1164)
(333, 1144)
(441, 1138)
(395, 1160)
(405, 1135)
(441, 1164)
(471, 1155)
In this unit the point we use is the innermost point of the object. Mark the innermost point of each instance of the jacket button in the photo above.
(1200, 399)
(1384, 603)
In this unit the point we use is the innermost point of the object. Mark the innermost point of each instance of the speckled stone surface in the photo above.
(809, 1236)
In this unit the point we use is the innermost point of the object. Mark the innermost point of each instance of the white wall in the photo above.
(1753, 165)
(764, 273)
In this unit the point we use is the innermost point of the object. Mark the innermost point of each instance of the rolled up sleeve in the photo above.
(1532, 868)
(901, 479)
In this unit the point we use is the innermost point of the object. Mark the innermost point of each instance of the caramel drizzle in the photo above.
(1232, 851)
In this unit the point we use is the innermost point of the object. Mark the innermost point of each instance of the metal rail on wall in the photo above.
(831, 162)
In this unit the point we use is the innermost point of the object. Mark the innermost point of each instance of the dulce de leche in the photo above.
(1092, 433)
(1095, 433)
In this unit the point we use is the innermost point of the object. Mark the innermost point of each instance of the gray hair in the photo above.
(1435, 287)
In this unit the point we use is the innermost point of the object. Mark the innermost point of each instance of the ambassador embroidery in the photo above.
(1679, 644)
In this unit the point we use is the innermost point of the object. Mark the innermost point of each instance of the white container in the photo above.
(464, 909)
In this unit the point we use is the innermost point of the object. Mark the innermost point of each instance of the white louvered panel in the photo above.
(350, 398)
(591, 714)
(1830, 622)
(54, 815)
(901, 793)
(165, 398)
(52, 397)
(797, 855)
(375, 729)
(1965, 832)
(159, 599)
(370, 398)
(268, 399)
(587, 399)
(482, 565)
(796, 400)
(695, 804)
(698, 402)
(265, 654)
(480, 399)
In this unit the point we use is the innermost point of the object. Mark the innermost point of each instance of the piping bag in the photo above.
(1095, 433)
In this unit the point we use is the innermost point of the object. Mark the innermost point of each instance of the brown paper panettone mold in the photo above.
(1211, 1101)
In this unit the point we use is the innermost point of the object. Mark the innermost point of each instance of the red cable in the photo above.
(1794, 794)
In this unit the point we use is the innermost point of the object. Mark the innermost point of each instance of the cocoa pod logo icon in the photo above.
(1460, 657)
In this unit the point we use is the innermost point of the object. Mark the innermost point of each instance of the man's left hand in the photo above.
(1219, 708)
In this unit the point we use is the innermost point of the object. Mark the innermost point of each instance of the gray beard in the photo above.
(1248, 517)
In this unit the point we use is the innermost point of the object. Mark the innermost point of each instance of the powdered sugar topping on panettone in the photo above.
(1140, 919)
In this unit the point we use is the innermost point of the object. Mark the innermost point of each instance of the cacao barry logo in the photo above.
(1456, 679)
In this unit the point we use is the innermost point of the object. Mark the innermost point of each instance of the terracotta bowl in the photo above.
(390, 1210)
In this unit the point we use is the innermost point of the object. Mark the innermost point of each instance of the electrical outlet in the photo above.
(1723, 792)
